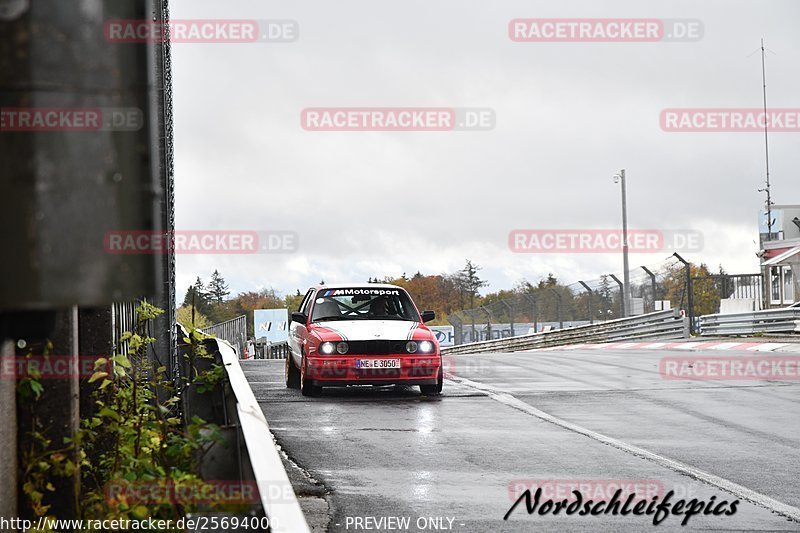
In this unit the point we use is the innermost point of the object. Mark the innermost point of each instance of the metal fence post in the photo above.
(532, 299)
(621, 294)
(488, 322)
(653, 284)
(689, 290)
(510, 314)
(591, 304)
(558, 308)
(458, 327)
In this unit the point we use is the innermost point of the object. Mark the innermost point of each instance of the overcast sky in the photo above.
(568, 117)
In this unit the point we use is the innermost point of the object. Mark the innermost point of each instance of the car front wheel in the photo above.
(433, 390)
(292, 373)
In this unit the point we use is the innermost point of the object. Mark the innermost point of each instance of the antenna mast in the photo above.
(766, 140)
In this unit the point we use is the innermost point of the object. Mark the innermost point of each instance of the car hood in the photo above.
(368, 330)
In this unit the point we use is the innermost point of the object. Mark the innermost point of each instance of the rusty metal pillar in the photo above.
(8, 435)
(65, 185)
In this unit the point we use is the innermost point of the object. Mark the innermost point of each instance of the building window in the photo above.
(775, 284)
(788, 285)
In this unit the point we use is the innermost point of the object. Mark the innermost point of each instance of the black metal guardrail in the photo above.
(661, 325)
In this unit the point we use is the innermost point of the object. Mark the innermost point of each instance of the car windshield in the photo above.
(363, 304)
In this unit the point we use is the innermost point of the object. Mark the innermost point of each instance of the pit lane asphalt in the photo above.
(393, 453)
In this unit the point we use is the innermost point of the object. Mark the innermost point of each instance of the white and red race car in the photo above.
(361, 335)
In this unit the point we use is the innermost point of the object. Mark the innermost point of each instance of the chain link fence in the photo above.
(550, 305)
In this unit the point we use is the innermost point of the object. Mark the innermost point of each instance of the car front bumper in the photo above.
(331, 371)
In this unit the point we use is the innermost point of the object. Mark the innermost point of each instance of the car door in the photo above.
(298, 332)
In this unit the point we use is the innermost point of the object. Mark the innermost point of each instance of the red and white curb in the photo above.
(681, 346)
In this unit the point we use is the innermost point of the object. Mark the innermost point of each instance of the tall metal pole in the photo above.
(625, 275)
(766, 140)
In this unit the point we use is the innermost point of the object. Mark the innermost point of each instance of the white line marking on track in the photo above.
(766, 347)
(719, 482)
(726, 345)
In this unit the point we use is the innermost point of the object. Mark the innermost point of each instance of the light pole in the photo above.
(625, 275)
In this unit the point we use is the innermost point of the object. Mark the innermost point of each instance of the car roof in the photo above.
(361, 285)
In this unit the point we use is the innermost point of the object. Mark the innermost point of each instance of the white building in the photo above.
(780, 256)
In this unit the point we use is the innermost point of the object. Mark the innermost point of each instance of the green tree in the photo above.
(197, 295)
(706, 292)
(292, 301)
(606, 304)
(217, 288)
(184, 316)
(469, 283)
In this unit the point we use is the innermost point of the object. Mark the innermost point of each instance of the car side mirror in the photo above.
(427, 316)
(298, 317)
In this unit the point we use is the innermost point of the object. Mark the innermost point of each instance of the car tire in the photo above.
(433, 390)
(306, 388)
(292, 373)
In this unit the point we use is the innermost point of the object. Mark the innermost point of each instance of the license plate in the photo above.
(377, 363)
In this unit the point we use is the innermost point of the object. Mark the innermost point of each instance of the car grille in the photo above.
(377, 347)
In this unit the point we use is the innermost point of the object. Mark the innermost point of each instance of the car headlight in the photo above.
(327, 348)
(342, 348)
(426, 347)
(411, 347)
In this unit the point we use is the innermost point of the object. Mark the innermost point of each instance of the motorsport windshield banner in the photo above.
(360, 292)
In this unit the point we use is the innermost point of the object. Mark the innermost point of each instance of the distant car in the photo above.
(361, 335)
